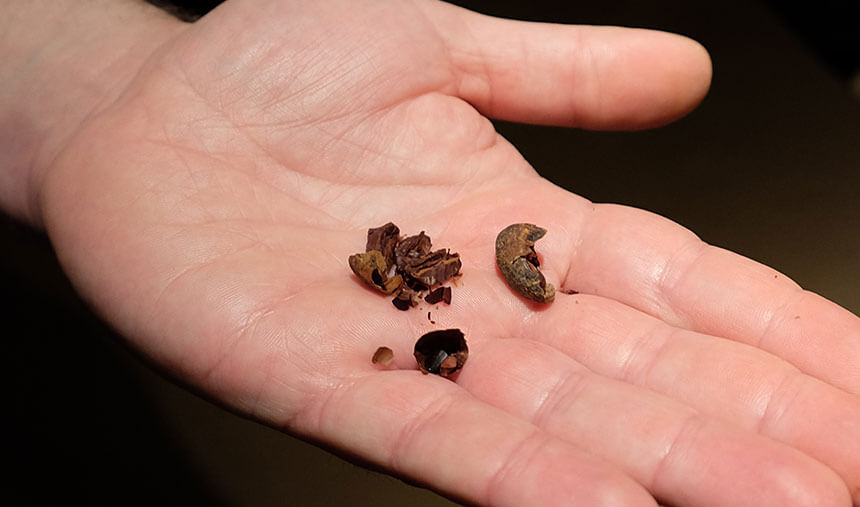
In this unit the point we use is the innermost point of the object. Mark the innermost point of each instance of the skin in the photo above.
(204, 184)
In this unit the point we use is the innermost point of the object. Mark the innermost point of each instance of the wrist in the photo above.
(64, 62)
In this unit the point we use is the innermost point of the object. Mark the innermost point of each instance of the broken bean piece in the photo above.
(441, 352)
(406, 299)
(446, 296)
(434, 296)
(401, 304)
(518, 262)
(404, 267)
(419, 265)
(383, 356)
(373, 270)
(438, 295)
(412, 249)
(384, 239)
(436, 268)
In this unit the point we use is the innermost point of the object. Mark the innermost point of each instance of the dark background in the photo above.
(768, 166)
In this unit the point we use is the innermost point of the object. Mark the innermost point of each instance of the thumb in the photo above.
(585, 76)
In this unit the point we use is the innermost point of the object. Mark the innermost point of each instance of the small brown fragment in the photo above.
(401, 304)
(518, 262)
(412, 249)
(434, 296)
(435, 268)
(373, 270)
(383, 356)
(439, 294)
(441, 352)
(415, 260)
(406, 299)
(384, 239)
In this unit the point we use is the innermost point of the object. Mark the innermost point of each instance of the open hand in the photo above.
(208, 214)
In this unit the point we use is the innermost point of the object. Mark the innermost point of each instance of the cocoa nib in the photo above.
(412, 249)
(384, 239)
(406, 298)
(440, 294)
(373, 270)
(414, 259)
(405, 267)
(432, 268)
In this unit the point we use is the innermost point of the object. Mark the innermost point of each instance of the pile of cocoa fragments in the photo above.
(407, 267)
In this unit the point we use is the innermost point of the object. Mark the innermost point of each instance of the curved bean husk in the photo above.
(518, 262)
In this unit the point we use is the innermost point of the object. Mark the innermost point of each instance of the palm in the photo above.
(210, 212)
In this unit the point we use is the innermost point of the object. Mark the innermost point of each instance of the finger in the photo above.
(591, 77)
(722, 379)
(656, 266)
(431, 431)
(681, 456)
